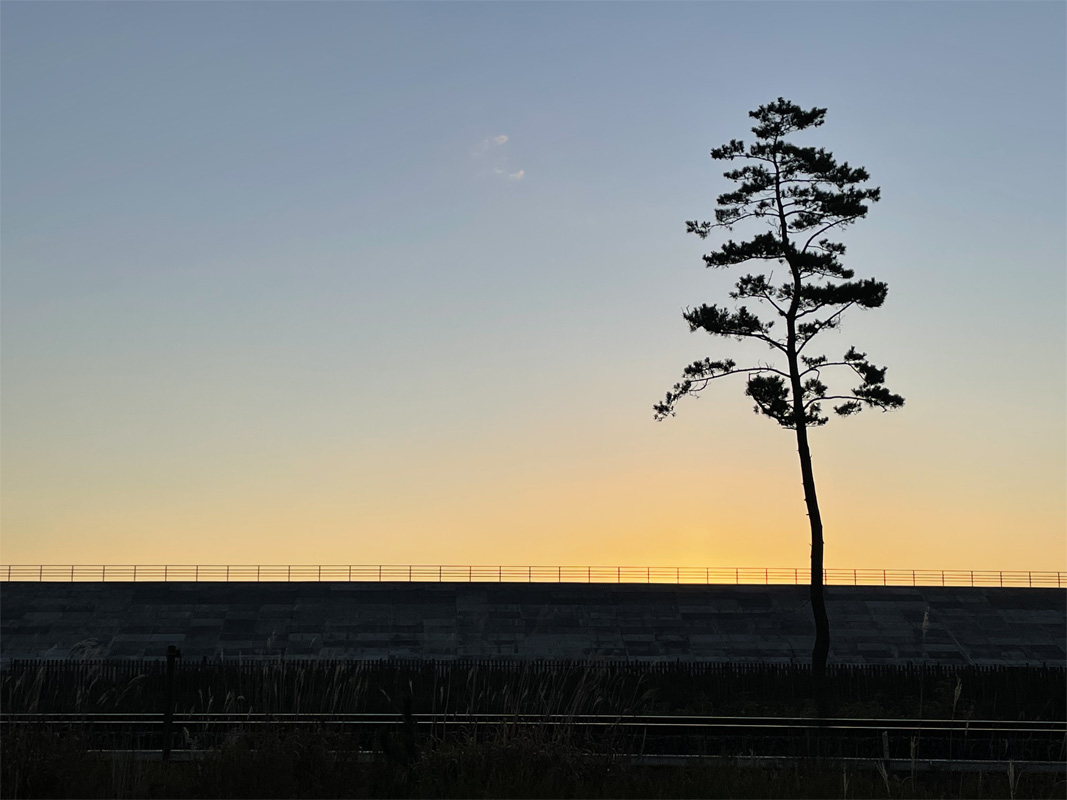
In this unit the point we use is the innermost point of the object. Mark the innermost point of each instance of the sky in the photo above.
(399, 283)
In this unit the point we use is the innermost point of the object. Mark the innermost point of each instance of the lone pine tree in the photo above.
(800, 194)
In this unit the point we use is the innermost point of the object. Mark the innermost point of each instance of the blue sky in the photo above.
(275, 287)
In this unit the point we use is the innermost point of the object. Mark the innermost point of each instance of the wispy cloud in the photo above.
(492, 147)
(494, 141)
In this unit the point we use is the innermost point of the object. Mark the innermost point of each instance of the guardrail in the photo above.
(528, 574)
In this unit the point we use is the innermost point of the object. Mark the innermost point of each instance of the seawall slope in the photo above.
(870, 624)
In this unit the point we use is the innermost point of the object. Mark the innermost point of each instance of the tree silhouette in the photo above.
(801, 194)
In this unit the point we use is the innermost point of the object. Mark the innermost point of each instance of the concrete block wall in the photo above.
(870, 624)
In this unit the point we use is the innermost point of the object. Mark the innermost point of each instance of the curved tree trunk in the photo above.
(818, 601)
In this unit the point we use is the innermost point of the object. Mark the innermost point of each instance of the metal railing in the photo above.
(528, 574)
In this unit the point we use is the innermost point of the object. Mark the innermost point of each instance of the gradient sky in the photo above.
(277, 289)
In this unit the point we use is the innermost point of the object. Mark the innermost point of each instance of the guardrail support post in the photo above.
(173, 653)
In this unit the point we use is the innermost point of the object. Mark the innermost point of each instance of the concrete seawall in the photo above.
(870, 624)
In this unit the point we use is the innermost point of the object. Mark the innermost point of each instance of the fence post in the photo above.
(135, 573)
(559, 574)
(71, 573)
(227, 573)
(409, 573)
(589, 574)
(289, 573)
(164, 573)
(677, 574)
(196, 573)
(648, 574)
(320, 573)
(618, 574)
(737, 575)
(379, 573)
(499, 573)
(707, 575)
(913, 577)
(766, 576)
(883, 578)
(259, 568)
(40, 572)
(529, 574)
(349, 573)
(1001, 577)
(855, 580)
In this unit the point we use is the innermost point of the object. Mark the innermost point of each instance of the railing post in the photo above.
(883, 578)
(855, 579)
(135, 573)
(379, 573)
(71, 573)
(648, 574)
(259, 568)
(796, 575)
(320, 573)
(529, 574)
(1001, 573)
(289, 573)
(913, 577)
(737, 575)
(164, 573)
(707, 575)
(589, 574)
(470, 573)
(227, 573)
(196, 574)
(559, 574)
(40, 572)
(1030, 578)
(677, 574)
(409, 573)
(349, 573)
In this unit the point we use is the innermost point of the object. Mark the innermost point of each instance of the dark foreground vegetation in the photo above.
(558, 687)
(263, 756)
(524, 766)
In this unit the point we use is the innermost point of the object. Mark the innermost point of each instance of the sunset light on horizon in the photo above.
(399, 283)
